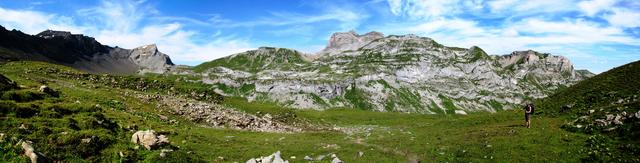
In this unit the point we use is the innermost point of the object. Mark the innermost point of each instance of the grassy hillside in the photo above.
(257, 60)
(606, 106)
(101, 108)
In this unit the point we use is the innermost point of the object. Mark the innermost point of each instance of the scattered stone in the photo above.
(292, 157)
(320, 157)
(335, 159)
(617, 120)
(1, 137)
(308, 158)
(86, 140)
(638, 114)
(22, 126)
(592, 111)
(47, 90)
(489, 146)
(148, 139)
(331, 146)
(29, 151)
(273, 158)
(164, 152)
(216, 115)
(610, 117)
(164, 118)
(461, 112)
(610, 129)
(360, 153)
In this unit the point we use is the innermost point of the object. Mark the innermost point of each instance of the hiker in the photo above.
(528, 110)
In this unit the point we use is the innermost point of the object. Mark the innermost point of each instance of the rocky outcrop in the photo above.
(149, 59)
(349, 41)
(215, 115)
(30, 152)
(81, 52)
(406, 73)
(273, 158)
(149, 139)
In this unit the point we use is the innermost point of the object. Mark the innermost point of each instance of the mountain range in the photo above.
(403, 73)
(81, 52)
(346, 102)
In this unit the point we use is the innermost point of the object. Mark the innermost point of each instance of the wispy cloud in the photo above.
(33, 21)
(120, 23)
(346, 19)
(539, 25)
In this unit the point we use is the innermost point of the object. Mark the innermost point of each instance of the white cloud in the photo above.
(423, 9)
(33, 22)
(593, 7)
(624, 18)
(499, 5)
(347, 19)
(118, 23)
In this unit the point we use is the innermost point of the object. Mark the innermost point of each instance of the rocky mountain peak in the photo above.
(150, 49)
(532, 59)
(344, 41)
(150, 59)
(51, 33)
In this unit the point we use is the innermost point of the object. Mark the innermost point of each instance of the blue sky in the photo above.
(596, 34)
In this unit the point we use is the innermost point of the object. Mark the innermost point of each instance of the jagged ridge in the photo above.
(80, 52)
(406, 73)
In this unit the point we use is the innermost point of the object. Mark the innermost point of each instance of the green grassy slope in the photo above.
(600, 91)
(253, 61)
(604, 106)
(56, 125)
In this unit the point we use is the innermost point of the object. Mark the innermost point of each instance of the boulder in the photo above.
(308, 158)
(48, 90)
(336, 159)
(461, 112)
(273, 158)
(149, 139)
(29, 151)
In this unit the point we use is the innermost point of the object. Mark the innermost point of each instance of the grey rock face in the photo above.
(82, 52)
(149, 59)
(406, 73)
(343, 41)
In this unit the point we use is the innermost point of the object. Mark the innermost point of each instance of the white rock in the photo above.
(29, 151)
(461, 112)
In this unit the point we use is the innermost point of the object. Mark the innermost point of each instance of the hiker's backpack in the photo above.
(533, 109)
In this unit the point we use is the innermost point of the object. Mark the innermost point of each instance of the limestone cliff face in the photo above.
(405, 73)
(149, 59)
(346, 41)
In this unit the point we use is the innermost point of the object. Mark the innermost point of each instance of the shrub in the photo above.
(25, 112)
(22, 96)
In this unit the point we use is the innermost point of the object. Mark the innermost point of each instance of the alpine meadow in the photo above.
(320, 81)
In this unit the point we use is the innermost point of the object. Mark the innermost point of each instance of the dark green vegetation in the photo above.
(82, 122)
(590, 102)
(104, 109)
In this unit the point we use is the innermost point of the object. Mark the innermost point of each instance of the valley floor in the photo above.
(353, 135)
